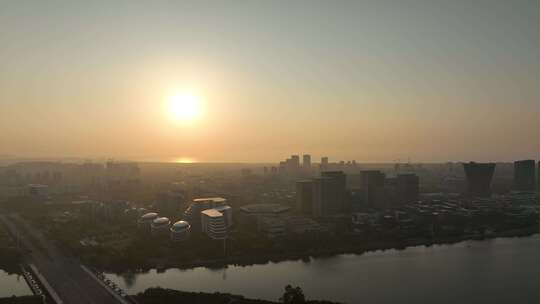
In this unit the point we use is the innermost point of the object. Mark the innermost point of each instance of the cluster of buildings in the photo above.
(329, 194)
(373, 193)
(109, 211)
(276, 221)
(210, 216)
(448, 216)
(322, 196)
(332, 193)
(19, 179)
(525, 177)
(293, 167)
(480, 175)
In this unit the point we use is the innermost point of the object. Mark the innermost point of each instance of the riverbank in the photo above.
(352, 248)
(170, 296)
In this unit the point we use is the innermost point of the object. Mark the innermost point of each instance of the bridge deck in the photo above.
(63, 274)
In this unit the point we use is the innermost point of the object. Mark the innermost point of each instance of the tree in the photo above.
(293, 295)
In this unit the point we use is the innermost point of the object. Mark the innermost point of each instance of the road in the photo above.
(63, 272)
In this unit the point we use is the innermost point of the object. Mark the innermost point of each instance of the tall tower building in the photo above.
(322, 198)
(339, 188)
(324, 163)
(525, 175)
(329, 194)
(407, 188)
(372, 182)
(304, 197)
(295, 162)
(306, 161)
(479, 176)
(538, 176)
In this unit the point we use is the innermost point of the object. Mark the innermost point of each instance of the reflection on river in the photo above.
(503, 270)
(13, 284)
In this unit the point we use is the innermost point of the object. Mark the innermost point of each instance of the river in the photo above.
(501, 270)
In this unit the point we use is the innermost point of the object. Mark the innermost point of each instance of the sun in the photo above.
(184, 106)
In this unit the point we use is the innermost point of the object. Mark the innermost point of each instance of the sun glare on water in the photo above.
(184, 106)
(184, 160)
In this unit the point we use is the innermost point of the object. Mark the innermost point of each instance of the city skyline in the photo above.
(269, 151)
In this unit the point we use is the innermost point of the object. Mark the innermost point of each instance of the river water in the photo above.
(502, 270)
(13, 284)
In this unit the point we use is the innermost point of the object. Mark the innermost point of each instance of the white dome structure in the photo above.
(160, 225)
(146, 220)
(180, 231)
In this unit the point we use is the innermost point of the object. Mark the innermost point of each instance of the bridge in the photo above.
(63, 278)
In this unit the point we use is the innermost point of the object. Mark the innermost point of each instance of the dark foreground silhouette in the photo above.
(291, 295)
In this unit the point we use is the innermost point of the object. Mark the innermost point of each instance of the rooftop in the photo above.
(161, 221)
(213, 199)
(212, 213)
(180, 225)
(265, 208)
(222, 208)
(150, 215)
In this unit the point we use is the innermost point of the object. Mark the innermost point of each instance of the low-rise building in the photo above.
(250, 215)
(145, 221)
(272, 227)
(180, 231)
(38, 190)
(299, 225)
(160, 226)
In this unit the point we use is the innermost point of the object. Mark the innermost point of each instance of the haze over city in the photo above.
(251, 81)
(269, 151)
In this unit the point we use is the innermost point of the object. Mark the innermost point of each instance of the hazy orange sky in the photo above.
(364, 80)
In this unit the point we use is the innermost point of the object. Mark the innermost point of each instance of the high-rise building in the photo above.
(339, 188)
(304, 196)
(525, 175)
(295, 162)
(324, 163)
(407, 188)
(322, 198)
(479, 176)
(329, 194)
(372, 182)
(291, 166)
(538, 176)
(306, 162)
